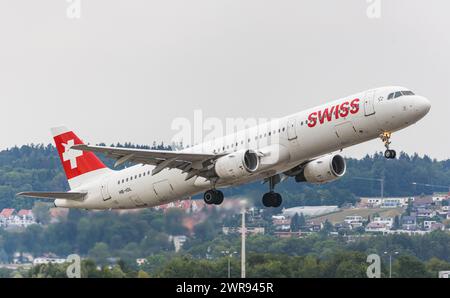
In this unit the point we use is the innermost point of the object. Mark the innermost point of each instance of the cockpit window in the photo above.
(399, 93)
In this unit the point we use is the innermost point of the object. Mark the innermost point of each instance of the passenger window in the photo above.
(140, 175)
(118, 182)
(284, 129)
(127, 179)
(123, 180)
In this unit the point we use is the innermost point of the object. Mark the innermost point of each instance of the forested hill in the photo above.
(37, 167)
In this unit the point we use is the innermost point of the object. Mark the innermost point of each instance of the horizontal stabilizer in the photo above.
(54, 195)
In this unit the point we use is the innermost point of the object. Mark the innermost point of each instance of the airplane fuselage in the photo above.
(285, 143)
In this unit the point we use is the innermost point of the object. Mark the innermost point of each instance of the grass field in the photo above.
(337, 217)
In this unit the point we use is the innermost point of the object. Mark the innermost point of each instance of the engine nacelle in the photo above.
(237, 164)
(323, 170)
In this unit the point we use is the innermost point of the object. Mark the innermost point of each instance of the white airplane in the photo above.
(299, 145)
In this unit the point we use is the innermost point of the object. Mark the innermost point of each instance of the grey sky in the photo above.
(126, 69)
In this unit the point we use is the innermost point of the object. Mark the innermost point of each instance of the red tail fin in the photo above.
(76, 163)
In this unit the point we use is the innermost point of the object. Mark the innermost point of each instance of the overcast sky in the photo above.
(125, 69)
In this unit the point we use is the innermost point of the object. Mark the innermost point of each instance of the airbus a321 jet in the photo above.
(299, 146)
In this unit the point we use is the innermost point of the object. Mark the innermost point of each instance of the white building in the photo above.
(387, 221)
(426, 213)
(428, 223)
(309, 210)
(408, 232)
(439, 197)
(378, 202)
(353, 219)
(141, 261)
(248, 230)
(39, 261)
(376, 227)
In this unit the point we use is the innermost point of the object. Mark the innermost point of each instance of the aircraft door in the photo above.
(346, 133)
(369, 108)
(163, 190)
(291, 130)
(105, 191)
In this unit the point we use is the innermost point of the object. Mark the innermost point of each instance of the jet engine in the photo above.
(322, 170)
(237, 164)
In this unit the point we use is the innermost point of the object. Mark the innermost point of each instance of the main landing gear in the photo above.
(272, 199)
(386, 138)
(213, 196)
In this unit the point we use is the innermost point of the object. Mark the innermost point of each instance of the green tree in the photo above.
(396, 224)
(100, 253)
(295, 223)
(327, 228)
(143, 274)
(434, 265)
(41, 212)
(410, 267)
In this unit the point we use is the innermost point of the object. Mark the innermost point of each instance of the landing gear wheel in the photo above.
(209, 197)
(272, 199)
(219, 198)
(266, 200)
(213, 196)
(390, 154)
(386, 138)
(277, 200)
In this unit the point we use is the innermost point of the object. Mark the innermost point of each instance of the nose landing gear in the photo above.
(386, 138)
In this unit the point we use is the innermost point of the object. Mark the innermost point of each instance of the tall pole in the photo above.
(243, 244)
(390, 260)
(390, 266)
(229, 266)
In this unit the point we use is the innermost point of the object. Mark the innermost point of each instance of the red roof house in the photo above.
(7, 212)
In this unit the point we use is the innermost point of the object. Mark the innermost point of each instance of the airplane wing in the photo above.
(54, 195)
(195, 164)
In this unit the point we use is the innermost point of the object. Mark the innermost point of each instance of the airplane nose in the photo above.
(422, 105)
